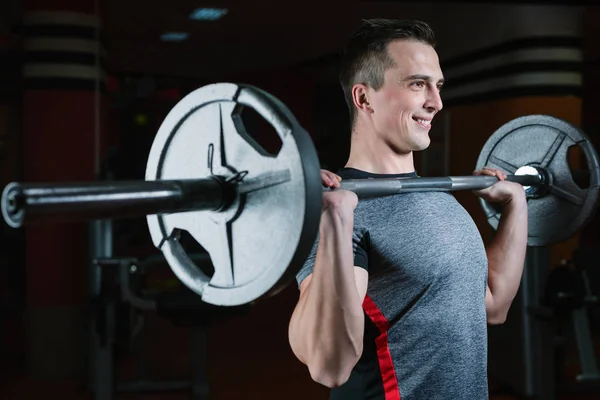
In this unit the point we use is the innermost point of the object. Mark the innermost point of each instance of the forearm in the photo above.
(506, 256)
(326, 329)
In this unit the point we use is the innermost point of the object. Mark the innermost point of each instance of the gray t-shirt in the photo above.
(426, 329)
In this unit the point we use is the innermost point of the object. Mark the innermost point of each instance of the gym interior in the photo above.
(91, 309)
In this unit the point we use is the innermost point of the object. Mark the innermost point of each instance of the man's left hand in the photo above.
(503, 191)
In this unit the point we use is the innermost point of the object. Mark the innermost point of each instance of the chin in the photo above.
(421, 146)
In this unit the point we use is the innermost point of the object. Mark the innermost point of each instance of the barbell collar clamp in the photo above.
(534, 190)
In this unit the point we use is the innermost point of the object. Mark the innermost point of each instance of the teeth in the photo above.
(424, 122)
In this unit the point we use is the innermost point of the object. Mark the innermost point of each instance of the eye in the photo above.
(419, 84)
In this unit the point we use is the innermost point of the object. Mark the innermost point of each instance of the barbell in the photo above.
(257, 214)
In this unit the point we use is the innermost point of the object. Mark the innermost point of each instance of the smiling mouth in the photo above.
(423, 122)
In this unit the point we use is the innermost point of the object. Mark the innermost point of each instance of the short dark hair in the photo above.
(365, 57)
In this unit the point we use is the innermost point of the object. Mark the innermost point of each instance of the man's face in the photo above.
(402, 110)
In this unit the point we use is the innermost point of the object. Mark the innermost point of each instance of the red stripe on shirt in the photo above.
(386, 366)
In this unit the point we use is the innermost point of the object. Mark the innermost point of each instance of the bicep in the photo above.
(361, 276)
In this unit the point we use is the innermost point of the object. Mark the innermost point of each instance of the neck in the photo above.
(377, 157)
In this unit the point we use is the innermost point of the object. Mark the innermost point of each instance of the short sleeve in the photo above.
(307, 267)
(361, 250)
(360, 245)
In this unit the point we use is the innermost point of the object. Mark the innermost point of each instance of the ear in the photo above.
(360, 97)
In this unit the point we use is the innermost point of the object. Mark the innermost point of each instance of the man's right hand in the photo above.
(341, 201)
(330, 179)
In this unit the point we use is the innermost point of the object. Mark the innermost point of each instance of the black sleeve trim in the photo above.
(361, 256)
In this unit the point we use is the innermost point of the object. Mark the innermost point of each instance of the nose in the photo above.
(433, 103)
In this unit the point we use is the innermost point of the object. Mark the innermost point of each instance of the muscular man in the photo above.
(397, 293)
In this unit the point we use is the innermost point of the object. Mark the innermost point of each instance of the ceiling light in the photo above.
(208, 14)
(174, 36)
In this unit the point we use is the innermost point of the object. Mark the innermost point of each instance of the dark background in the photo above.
(288, 49)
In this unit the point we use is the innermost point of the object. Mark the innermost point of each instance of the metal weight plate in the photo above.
(544, 141)
(259, 243)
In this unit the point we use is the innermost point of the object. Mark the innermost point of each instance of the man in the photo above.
(397, 293)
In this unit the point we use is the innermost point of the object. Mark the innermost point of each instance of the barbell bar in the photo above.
(257, 214)
(27, 204)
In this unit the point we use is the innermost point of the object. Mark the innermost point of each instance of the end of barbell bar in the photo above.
(12, 205)
(542, 177)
